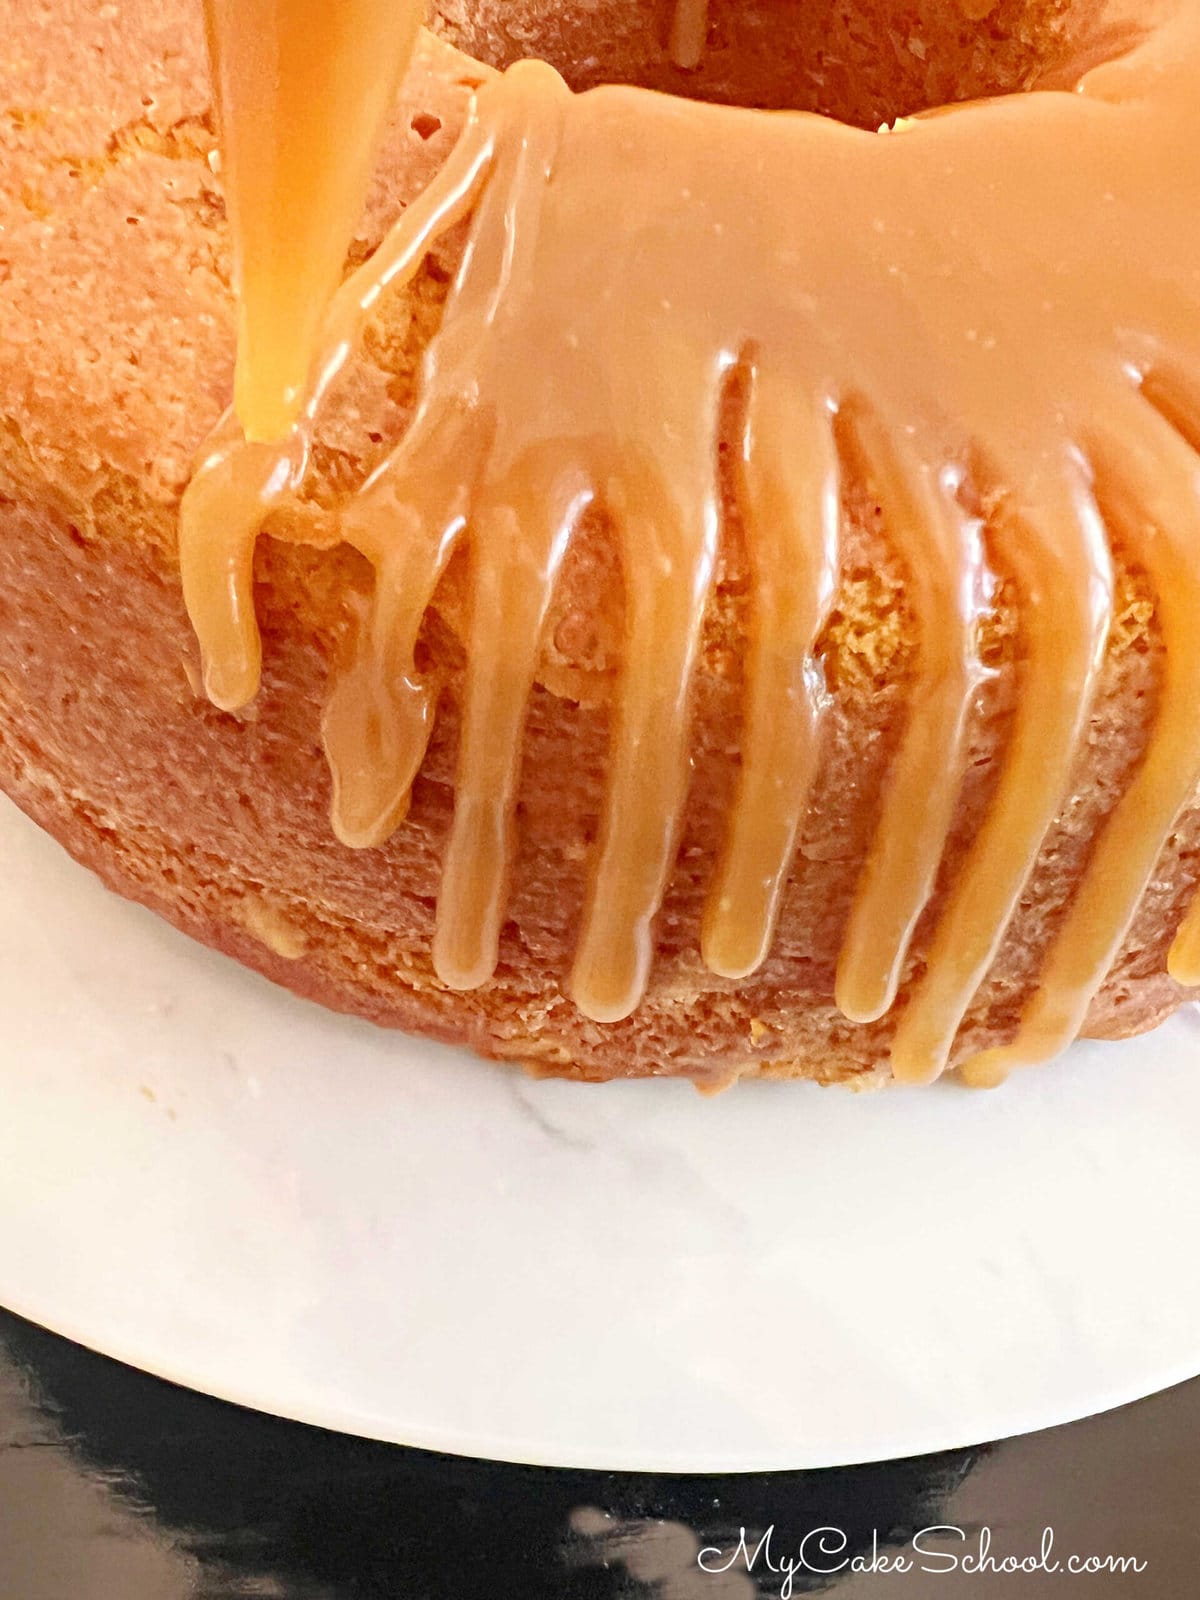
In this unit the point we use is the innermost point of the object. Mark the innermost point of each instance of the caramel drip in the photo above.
(943, 553)
(970, 304)
(1184, 961)
(302, 89)
(689, 30)
(1148, 482)
(1056, 549)
(787, 487)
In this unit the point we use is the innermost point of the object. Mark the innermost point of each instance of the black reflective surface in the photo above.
(114, 1486)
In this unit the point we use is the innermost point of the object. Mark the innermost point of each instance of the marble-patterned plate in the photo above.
(226, 1186)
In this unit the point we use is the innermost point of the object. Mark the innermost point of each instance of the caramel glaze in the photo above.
(302, 92)
(689, 26)
(998, 303)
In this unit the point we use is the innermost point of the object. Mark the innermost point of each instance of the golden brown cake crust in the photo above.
(115, 360)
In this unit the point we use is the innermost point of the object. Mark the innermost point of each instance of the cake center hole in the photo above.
(863, 62)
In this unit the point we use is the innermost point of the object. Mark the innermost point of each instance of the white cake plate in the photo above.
(230, 1188)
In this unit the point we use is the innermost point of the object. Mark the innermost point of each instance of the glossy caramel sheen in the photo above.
(1003, 297)
(689, 25)
(302, 89)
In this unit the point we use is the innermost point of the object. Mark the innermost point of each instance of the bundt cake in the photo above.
(725, 558)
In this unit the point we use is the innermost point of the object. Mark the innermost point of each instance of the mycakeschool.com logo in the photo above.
(942, 1550)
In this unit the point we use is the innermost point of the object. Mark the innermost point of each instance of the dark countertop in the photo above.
(116, 1486)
